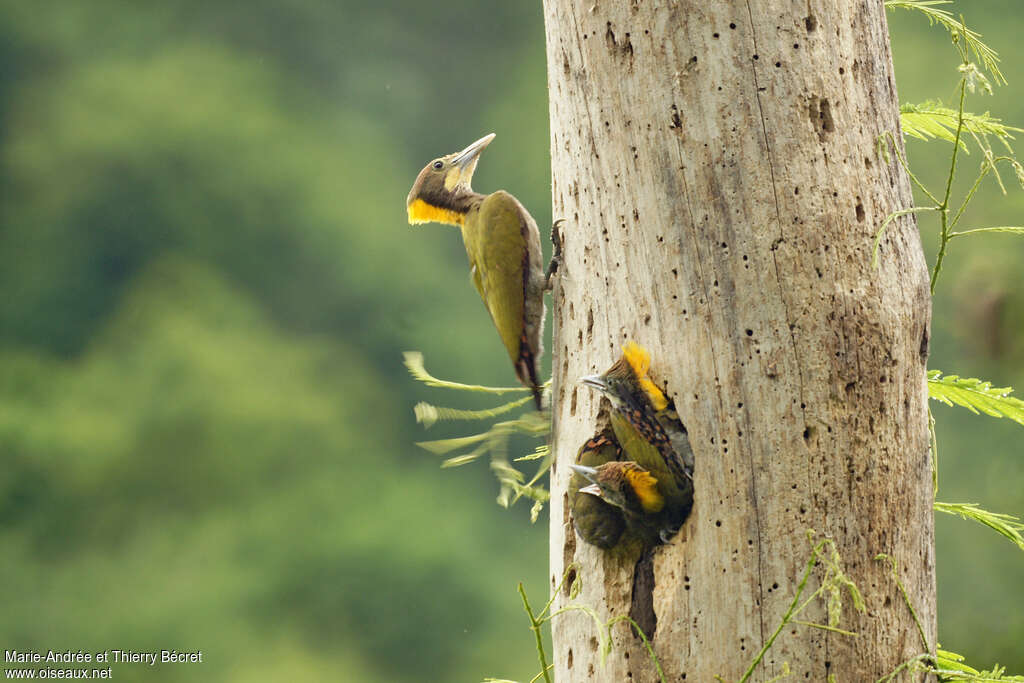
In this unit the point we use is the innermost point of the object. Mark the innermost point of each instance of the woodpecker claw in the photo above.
(556, 256)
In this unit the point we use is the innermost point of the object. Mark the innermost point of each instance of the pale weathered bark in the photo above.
(716, 163)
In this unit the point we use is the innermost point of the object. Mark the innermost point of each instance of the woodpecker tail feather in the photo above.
(526, 371)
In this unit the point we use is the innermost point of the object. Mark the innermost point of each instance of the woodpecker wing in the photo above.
(497, 248)
(678, 492)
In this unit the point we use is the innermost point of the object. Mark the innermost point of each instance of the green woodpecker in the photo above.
(645, 426)
(597, 522)
(503, 247)
(634, 491)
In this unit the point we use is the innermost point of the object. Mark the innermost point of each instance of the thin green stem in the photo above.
(535, 625)
(825, 627)
(789, 613)
(989, 167)
(935, 454)
(1006, 228)
(542, 674)
(970, 195)
(906, 599)
(808, 601)
(906, 167)
(571, 570)
(647, 643)
(905, 665)
(944, 206)
(889, 219)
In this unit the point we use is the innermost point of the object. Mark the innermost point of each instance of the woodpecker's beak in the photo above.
(589, 473)
(465, 162)
(470, 154)
(594, 382)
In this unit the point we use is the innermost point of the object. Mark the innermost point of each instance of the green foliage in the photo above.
(956, 29)
(495, 440)
(834, 583)
(975, 395)
(950, 666)
(931, 119)
(604, 628)
(415, 364)
(1006, 525)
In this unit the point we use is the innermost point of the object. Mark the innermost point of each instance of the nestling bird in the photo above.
(503, 247)
(645, 425)
(635, 492)
(597, 522)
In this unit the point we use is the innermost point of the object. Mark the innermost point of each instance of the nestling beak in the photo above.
(590, 473)
(593, 490)
(594, 382)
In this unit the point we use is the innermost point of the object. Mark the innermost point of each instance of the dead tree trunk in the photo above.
(716, 163)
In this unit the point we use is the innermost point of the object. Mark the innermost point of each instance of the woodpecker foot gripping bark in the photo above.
(556, 255)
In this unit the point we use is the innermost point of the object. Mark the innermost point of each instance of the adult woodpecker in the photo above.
(503, 246)
(648, 430)
(596, 521)
(634, 491)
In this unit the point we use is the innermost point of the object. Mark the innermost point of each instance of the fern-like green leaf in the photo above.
(975, 395)
(930, 120)
(951, 660)
(427, 414)
(539, 453)
(956, 29)
(460, 460)
(442, 446)
(414, 362)
(1006, 525)
(950, 666)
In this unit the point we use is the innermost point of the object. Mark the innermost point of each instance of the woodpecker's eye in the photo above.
(438, 164)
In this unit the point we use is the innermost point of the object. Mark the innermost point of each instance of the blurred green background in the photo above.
(206, 430)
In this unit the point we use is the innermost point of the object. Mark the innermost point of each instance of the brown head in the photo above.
(624, 484)
(626, 383)
(442, 189)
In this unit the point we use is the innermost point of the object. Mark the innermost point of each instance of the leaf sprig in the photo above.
(975, 395)
(972, 39)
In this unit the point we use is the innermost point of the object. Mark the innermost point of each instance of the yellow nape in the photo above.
(645, 486)
(422, 212)
(640, 360)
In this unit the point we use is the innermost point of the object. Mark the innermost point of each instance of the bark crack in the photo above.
(590, 120)
(782, 296)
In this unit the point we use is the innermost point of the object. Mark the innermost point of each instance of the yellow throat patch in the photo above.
(645, 486)
(640, 360)
(422, 212)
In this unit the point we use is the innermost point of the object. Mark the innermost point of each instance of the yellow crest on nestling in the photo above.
(640, 360)
(645, 486)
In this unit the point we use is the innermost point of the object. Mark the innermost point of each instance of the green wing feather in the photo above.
(496, 247)
(645, 454)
